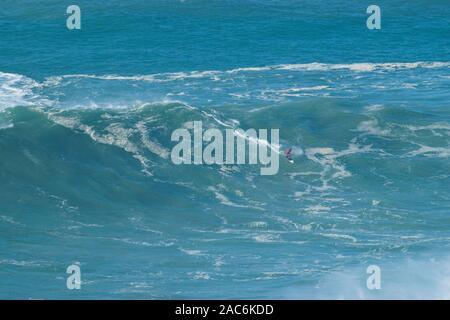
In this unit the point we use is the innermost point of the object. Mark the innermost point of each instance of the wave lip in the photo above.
(243, 85)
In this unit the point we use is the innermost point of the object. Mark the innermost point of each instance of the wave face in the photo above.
(85, 165)
(85, 170)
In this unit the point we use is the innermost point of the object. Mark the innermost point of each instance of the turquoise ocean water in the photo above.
(86, 177)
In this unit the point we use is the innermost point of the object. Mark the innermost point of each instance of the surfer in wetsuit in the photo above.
(288, 155)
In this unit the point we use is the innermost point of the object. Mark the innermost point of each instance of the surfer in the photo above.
(288, 155)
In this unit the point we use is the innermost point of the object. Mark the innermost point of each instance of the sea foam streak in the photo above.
(216, 74)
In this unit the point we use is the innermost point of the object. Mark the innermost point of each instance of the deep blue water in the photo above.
(86, 178)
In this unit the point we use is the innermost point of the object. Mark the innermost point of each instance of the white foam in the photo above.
(339, 236)
(371, 127)
(266, 238)
(328, 159)
(374, 107)
(191, 252)
(327, 156)
(362, 67)
(217, 75)
(157, 77)
(317, 209)
(294, 92)
(249, 69)
(408, 278)
(431, 152)
(200, 275)
(445, 126)
(17, 90)
(22, 263)
(227, 202)
(257, 224)
(258, 141)
(153, 146)
(117, 136)
(4, 126)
